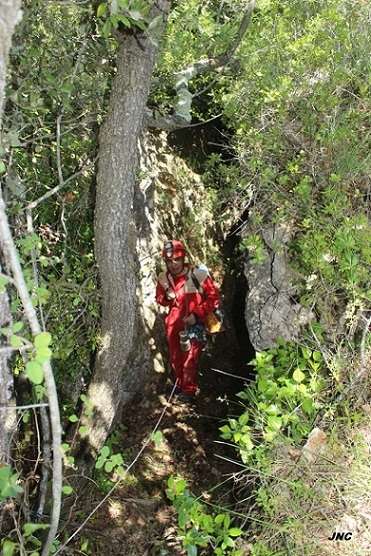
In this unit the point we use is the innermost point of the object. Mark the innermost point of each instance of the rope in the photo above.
(229, 374)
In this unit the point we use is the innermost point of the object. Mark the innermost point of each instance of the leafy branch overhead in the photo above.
(182, 115)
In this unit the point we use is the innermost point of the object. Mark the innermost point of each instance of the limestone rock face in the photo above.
(170, 202)
(271, 311)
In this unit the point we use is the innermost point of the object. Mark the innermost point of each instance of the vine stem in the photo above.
(11, 257)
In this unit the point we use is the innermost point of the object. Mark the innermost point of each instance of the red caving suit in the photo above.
(188, 300)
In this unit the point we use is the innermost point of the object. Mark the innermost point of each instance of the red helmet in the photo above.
(173, 249)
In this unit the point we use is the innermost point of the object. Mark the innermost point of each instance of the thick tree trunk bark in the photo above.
(121, 361)
(10, 14)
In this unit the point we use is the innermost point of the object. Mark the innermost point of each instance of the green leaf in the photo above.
(8, 548)
(307, 405)
(235, 532)
(192, 550)
(30, 528)
(67, 489)
(34, 372)
(274, 422)
(17, 327)
(154, 23)
(306, 352)
(43, 355)
(157, 438)
(180, 486)
(42, 340)
(298, 375)
(108, 466)
(15, 341)
(228, 541)
(102, 9)
(73, 418)
(99, 464)
(105, 451)
(263, 384)
(244, 418)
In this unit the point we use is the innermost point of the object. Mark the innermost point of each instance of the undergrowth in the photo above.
(305, 451)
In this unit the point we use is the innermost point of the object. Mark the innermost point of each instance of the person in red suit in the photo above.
(176, 289)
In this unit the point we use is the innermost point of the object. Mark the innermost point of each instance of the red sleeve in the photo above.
(211, 299)
(160, 295)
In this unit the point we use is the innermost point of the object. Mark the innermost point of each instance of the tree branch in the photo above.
(12, 260)
(182, 112)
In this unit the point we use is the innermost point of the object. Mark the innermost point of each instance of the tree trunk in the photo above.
(6, 382)
(10, 15)
(122, 360)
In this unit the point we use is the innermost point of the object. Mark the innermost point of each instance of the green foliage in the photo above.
(30, 544)
(197, 527)
(283, 398)
(112, 463)
(128, 13)
(9, 487)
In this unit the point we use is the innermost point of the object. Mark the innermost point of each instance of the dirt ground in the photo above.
(138, 519)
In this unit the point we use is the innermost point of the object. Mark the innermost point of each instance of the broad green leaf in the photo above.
(192, 550)
(8, 548)
(108, 466)
(157, 438)
(235, 532)
(306, 352)
(102, 9)
(15, 341)
(263, 384)
(307, 405)
(298, 375)
(105, 451)
(17, 327)
(34, 372)
(275, 422)
(30, 528)
(43, 354)
(180, 486)
(67, 489)
(42, 340)
(244, 418)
